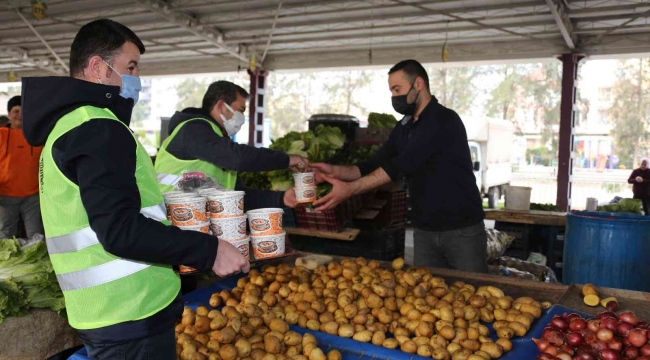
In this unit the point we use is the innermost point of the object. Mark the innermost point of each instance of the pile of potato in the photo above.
(229, 335)
(358, 299)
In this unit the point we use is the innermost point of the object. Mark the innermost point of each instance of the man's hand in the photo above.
(290, 198)
(321, 170)
(229, 260)
(341, 191)
(298, 163)
(639, 179)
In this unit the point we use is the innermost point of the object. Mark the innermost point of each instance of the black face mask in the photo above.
(401, 105)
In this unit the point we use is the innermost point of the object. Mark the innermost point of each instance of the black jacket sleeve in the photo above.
(196, 140)
(387, 151)
(100, 156)
(258, 199)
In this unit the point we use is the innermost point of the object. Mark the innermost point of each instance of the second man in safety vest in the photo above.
(200, 140)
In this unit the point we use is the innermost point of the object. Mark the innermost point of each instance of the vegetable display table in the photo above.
(531, 217)
(39, 335)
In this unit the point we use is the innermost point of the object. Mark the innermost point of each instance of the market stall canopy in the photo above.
(198, 36)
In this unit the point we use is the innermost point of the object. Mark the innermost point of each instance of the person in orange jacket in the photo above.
(18, 177)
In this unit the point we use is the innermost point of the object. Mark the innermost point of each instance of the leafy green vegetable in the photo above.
(544, 207)
(323, 189)
(381, 121)
(624, 206)
(27, 279)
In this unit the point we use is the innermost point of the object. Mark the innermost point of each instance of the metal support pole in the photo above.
(256, 107)
(567, 124)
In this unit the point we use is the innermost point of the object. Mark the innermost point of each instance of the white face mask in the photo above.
(234, 124)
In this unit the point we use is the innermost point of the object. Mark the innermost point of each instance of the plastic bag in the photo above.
(537, 258)
(194, 180)
(510, 272)
(497, 243)
(541, 272)
(32, 240)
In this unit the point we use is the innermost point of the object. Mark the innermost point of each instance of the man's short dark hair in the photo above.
(101, 37)
(413, 69)
(4, 121)
(222, 90)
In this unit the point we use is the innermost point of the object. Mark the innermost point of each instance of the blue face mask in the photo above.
(131, 86)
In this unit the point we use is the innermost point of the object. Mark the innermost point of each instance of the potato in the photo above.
(478, 357)
(235, 324)
(472, 334)
(461, 354)
(213, 345)
(441, 354)
(346, 331)
(226, 336)
(182, 338)
(420, 340)
(390, 343)
(363, 336)
(504, 303)
(470, 313)
(472, 345)
(272, 345)
(256, 322)
(351, 311)
(313, 325)
(505, 333)
(278, 325)
(307, 349)
(202, 338)
(334, 355)
(438, 342)
(483, 355)
(483, 330)
(317, 354)
(409, 347)
(505, 344)
(486, 315)
(398, 264)
(531, 309)
(228, 352)
(447, 332)
(425, 329)
(243, 348)
(191, 331)
(378, 338)
(292, 338)
(493, 349)
(518, 328)
(453, 347)
(461, 334)
(188, 319)
(525, 319)
(425, 350)
(496, 292)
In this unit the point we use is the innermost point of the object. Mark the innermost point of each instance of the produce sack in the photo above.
(497, 243)
(541, 272)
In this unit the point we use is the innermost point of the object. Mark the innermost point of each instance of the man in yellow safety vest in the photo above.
(103, 214)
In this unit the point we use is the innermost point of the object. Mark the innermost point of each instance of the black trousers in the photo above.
(156, 347)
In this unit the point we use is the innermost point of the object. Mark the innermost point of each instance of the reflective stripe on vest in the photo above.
(100, 274)
(86, 237)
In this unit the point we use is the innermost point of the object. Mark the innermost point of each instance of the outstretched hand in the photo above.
(321, 170)
(341, 191)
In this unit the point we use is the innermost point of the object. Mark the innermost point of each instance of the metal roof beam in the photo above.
(22, 57)
(607, 10)
(191, 24)
(559, 11)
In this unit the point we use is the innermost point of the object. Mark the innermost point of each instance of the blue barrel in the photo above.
(607, 249)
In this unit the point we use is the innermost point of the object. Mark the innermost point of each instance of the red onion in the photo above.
(610, 355)
(554, 337)
(577, 324)
(600, 345)
(606, 314)
(628, 317)
(637, 337)
(551, 350)
(643, 325)
(590, 338)
(593, 325)
(567, 349)
(572, 317)
(542, 344)
(574, 339)
(545, 356)
(643, 358)
(605, 334)
(559, 323)
(631, 352)
(616, 344)
(563, 356)
(645, 350)
(624, 328)
(609, 323)
(586, 356)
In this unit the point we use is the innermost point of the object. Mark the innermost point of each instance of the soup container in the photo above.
(226, 205)
(304, 179)
(263, 222)
(243, 246)
(204, 228)
(209, 191)
(305, 195)
(229, 229)
(187, 211)
(268, 246)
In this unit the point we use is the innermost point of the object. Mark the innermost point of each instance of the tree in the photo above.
(341, 88)
(290, 101)
(454, 87)
(630, 109)
(503, 98)
(140, 112)
(190, 92)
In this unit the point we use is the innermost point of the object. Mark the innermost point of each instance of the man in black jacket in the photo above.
(429, 148)
(99, 158)
(224, 104)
